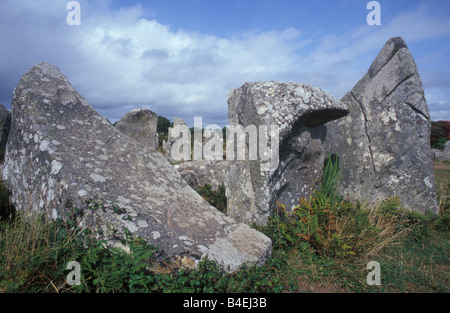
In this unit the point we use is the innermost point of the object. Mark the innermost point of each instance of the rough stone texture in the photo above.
(300, 112)
(384, 143)
(441, 156)
(62, 152)
(140, 125)
(5, 125)
(447, 146)
(199, 173)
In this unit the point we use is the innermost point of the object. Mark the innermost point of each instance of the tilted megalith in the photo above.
(61, 152)
(384, 143)
(140, 125)
(295, 113)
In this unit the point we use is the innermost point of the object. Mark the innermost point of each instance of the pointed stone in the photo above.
(384, 143)
(62, 152)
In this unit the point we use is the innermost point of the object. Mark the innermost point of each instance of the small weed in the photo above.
(216, 198)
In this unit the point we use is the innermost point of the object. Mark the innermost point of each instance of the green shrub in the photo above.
(34, 253)
(6, 208)
(217, 198)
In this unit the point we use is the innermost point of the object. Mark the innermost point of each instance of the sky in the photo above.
(180, 58)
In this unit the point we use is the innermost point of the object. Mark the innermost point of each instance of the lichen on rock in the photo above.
(61, 152)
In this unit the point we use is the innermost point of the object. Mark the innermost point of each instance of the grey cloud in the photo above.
(121, 46)
(120, 61)
(159, 54)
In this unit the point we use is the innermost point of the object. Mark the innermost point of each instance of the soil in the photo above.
(442, 166)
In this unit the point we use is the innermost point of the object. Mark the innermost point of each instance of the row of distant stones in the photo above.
(60, 151)
(379, 131)
(442, 155)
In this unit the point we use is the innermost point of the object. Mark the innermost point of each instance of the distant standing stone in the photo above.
(140, 125)
(447, 146)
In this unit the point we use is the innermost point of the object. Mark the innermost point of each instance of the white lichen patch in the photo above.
(142, 223)
(130, 225)
(122, 199)
(97, 178)
(427, 182)
(56, 167)
(44, 145)
(387, 117)
(155, 235)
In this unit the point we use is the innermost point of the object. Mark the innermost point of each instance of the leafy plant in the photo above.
(217, 198)
(330, 177)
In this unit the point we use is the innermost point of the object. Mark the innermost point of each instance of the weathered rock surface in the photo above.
(199, 173)
(299, 111)
(441, 156)
(140, 125)
(384, 143)
(61, 152)
(447, 146)
(5, 125)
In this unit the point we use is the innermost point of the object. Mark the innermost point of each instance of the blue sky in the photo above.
(180, 58)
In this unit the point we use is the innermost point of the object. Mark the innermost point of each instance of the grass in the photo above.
(323, 245)
(216, 197)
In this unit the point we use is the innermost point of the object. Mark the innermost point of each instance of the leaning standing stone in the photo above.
(384, 143)
(62, 152)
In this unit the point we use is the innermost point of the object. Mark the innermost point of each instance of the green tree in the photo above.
(163, 125)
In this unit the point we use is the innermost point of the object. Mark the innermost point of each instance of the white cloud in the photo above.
(175, 71)
(122, 59)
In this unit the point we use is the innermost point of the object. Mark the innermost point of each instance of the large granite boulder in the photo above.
(61, 152)
(291, 117)
(140, 125)
(384, 143)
